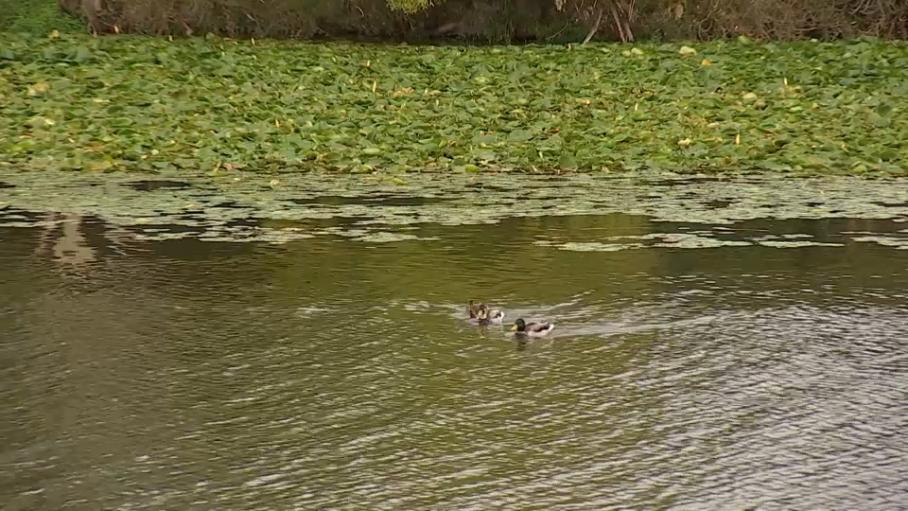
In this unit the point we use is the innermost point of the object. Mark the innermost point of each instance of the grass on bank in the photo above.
(76, 102)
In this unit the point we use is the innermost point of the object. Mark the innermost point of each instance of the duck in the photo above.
(522, 328)
(483, 314)
(495, 316)
(473, 309)
(487, 315)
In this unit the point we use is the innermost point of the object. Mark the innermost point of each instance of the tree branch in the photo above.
(594, 29)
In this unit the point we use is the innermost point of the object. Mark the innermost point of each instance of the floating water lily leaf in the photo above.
(343, 107)
(687, 50)
(279, 208)
(519, 135)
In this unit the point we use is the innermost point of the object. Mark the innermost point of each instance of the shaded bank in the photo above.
(501, 20)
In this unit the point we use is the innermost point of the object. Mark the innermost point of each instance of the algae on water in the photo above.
(240, 206)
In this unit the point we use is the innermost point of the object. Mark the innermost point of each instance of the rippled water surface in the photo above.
(307, 349)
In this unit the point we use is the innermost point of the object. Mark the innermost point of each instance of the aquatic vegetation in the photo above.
(797, 244)
(674, 210)
(664, 240)
(899, 243)
(73, 102)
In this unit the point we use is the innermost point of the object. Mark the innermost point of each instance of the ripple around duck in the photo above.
(334, 374)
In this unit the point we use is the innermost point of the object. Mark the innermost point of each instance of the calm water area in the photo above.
(252, 343)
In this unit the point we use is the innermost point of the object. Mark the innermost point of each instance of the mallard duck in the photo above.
(495, 316)
(483, 314)
(473, 309)
(487, 315)
(522, 328)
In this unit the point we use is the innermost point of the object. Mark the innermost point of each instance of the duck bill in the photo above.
(513, 328)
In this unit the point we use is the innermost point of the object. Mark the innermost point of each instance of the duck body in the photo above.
(484, 315)
(523, 329)
(473, 309)
(496, 316)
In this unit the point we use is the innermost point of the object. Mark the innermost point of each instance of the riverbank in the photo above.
(139, 103)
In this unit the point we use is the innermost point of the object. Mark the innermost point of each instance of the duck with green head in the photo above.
(522, 328)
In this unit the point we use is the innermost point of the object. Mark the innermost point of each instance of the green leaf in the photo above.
(436, 108)
(519, 135)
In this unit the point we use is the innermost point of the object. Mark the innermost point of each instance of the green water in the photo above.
(694, 365)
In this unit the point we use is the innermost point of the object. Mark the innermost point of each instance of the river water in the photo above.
(301, 344)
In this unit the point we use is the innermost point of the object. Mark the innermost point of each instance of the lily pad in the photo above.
(95, 104)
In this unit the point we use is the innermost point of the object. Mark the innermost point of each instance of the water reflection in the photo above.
(196, 375)
(63, 241)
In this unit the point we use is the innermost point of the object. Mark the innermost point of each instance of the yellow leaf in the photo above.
(687, 50)
(637, 51)
(403, 91)
(685, 142)
(40, 122)
(100, 166)
(38, 88)
(738, 139)
(706, 63)
(55, 34)
(748, 96)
